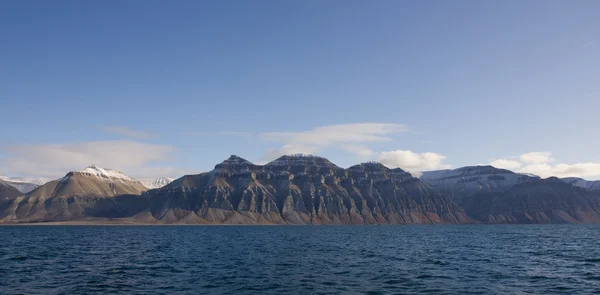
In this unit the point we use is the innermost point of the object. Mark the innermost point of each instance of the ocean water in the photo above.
(465, 259)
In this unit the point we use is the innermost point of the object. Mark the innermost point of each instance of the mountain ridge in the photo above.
(306, 189)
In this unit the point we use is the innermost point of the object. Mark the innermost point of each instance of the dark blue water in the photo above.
(484, 259)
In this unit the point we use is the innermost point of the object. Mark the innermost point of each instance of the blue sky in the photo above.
(158, 88)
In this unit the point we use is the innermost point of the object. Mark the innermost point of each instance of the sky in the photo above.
(167, 88)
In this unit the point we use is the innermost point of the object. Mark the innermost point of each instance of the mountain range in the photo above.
(305, 189)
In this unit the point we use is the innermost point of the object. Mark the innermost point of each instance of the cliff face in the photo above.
(300, 190)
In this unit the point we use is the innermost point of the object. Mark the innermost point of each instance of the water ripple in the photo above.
(498, 259)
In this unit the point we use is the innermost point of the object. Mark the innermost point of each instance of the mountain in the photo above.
(23, 184)
(7, 191)
(580, 182)
(156, 183)
(88, 193)
(300, 189)
(466, 181)
(493, 195)
(548, 200)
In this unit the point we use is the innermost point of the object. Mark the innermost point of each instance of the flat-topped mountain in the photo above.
(493, 195)
(548, 200)
(466, 181)
(301, 189)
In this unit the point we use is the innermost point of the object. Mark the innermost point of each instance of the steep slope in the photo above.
(467, 181)
(8, 191)
(580, 182)
(536, 201)
(157, 182)
(300, 189)
(88, 193)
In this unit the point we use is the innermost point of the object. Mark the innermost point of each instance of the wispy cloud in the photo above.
(54, 160)
(342, 133)
(542, 164)
(126, 132)
(347, 137)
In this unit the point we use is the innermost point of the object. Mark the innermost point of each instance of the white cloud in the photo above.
(287, 149)
(333, 134)
(540, 163)
(54, 160)
(536, 157)
(506, 164)
(126, 132)
(411, 161)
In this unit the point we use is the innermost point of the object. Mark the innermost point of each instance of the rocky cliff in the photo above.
(300, 190)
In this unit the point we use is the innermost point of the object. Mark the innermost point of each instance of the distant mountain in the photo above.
(466, 181)
(92, 192)
(301, 189)
(7, 191)
(157, 182)
(536, 201)
(493, 195)
(24, 184)
(580, 182)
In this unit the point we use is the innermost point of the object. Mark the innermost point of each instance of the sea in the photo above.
(428, 259)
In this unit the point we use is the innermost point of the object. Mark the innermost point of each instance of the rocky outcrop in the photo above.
(300, 190)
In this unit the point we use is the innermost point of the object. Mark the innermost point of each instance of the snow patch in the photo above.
(94, 170)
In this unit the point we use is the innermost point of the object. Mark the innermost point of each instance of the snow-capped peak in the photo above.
(97, 171)
(156, 183)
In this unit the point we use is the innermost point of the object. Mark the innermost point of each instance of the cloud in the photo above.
(540, 163)
(506, 164)
(54, 160)
(411, 161)
(536, 157)
(126, 132)
(347, 137)
(287, 149)
(333, 134)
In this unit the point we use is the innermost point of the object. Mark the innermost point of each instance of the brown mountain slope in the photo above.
(78, 195)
